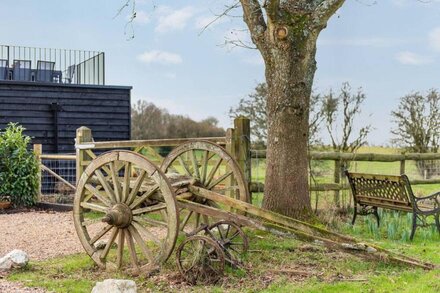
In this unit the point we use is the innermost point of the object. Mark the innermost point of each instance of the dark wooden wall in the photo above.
(46, 110)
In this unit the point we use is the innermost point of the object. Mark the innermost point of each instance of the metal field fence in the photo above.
(58, 177)
(52, 185)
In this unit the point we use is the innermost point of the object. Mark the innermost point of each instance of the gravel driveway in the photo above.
(41, 235)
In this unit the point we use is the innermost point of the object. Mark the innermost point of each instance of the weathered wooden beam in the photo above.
(281, 225)
(83, 136)
(334, 156)
(58, 157)
(38, 149)
(259, 186)
(261, 213)
(217, 213)
(149, 142)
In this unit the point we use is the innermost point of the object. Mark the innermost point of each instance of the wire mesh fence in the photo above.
(52, 188)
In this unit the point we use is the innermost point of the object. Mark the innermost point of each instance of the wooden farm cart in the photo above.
(127, 200)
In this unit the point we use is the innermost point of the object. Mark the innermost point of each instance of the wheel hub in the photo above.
(119, 215)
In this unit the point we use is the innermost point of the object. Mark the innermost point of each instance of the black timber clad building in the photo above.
(52, 112)
(52, 92)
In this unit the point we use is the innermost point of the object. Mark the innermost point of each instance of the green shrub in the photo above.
(18, 167)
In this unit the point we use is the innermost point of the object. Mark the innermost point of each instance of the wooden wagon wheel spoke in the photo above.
(116, 183)
(185, 166)
(107, 247)
(106, 186)
(133, 195)
(126, 179)
(120, 253)
(94, 207)
(185, 220)
(98, 195)
(150, 209)
(132, 250)
(195, 164)
(100, 234)
(137, 186)
(220, 179)
(144, 196)
(145, 250)
(205, 160)
(213, 171)
(146, 233)
(147, 221)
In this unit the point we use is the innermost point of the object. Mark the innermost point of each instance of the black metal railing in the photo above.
(31, 64)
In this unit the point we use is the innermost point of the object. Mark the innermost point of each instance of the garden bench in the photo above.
(372, 191)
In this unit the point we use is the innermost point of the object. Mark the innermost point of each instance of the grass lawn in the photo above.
(274, 264)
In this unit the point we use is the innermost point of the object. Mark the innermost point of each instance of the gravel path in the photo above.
(41, 235)
(9, 287)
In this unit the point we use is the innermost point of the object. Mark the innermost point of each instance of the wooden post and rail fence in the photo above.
(236, 142)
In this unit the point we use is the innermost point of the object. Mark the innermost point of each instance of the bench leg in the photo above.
(376, 214)
(355, 214)
(414, 226)
(437, 222)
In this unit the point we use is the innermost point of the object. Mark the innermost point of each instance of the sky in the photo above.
(389, 48)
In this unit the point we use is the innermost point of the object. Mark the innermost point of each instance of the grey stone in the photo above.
(14, 259)
(115, 286)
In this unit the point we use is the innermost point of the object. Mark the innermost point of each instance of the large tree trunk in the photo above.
(286, 37)
(289, 74)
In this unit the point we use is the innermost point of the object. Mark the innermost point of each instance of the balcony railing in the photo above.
(62, 66)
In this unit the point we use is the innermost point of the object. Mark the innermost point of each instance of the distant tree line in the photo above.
(416, 122)
(150, 122)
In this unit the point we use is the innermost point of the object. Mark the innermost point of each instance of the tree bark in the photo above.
(290, 69)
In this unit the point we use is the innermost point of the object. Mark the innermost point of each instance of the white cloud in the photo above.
(410, 58)
(161, 57)
(434, 38)
(141, 17)
(169, 20)
(208, 20)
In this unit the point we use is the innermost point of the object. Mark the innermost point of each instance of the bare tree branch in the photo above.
(254, 19)
(218, 16)
(325, 10)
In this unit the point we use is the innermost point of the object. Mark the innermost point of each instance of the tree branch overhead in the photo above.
(254, 19)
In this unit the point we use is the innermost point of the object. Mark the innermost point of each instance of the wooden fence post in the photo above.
(38, 150)
(83, 135)
(242, 137)
(402, 167)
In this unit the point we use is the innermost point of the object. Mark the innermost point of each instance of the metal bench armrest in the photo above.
(432, 197)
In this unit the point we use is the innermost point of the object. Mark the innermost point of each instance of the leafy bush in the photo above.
(18, 167)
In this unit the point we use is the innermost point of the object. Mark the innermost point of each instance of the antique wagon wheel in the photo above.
(200, 260)
(231, 239)
(124, 199)
(212, 168)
